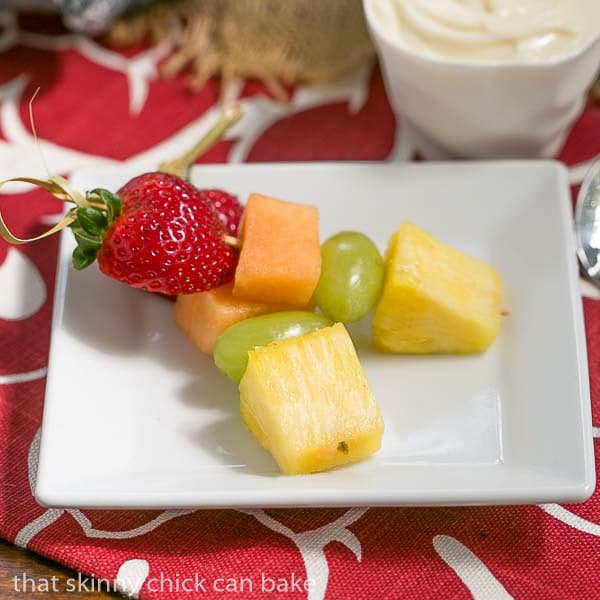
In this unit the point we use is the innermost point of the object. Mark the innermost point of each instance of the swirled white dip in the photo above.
(511, 30)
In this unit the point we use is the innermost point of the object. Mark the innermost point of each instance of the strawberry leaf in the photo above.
(110, 200)
(82, 258)
(87, 242)
(91, 220)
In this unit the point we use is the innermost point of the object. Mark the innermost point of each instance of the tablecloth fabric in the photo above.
(96, 106)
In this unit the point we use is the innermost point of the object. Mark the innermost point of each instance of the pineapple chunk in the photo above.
(307, 401)
(435, 298)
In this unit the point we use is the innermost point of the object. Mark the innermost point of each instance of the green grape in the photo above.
(352, 272)
(231, 349)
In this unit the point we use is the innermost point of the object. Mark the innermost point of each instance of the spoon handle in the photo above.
(587, 224)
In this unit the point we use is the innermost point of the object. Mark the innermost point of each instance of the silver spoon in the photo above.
(587, 224)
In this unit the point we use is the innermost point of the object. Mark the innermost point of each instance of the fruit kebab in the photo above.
(268, 301)
(159, 232)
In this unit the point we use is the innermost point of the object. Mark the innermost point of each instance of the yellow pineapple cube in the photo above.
(308, 402)
(435, 298)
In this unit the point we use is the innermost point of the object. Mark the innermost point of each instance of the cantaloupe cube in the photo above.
(205, 315)
(435, 298)
(280, 259)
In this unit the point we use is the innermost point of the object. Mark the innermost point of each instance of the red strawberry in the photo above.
(229, 209)
(164, 235)
(166, 245)
(144, 189)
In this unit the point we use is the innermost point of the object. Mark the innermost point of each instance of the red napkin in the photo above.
(95, 105)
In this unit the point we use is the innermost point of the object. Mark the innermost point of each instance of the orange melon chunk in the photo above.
(280, 259)
(205, 315)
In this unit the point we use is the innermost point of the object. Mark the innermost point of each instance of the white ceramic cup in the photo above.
(490, 109)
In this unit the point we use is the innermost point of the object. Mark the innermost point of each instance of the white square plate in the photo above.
(135, 416)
